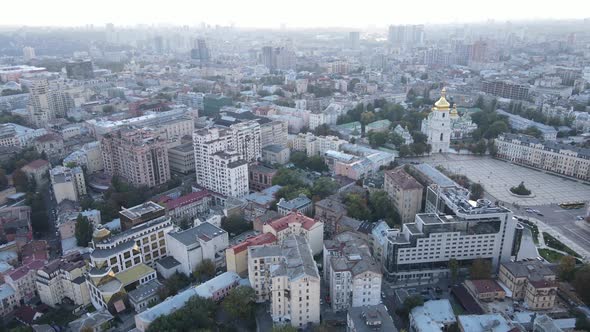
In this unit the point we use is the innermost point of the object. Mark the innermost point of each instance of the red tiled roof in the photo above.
(283, 223)
(264, 238)
(37, 163)
(486, 286)
(186, 199)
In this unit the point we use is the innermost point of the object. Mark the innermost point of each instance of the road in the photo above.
(51, 236)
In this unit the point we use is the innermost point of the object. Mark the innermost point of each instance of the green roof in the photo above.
(134, 273)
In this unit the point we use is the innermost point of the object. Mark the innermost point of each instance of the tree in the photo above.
(476, 191)
(356, 207)
(324, 187)
(567, 265)
(533, 131)
(198, 314)
(83, 231)
(481, 269)
(404, 151)
(412, 302)
(380, 205)
(520, 190)
(454, 269)
(239, 303)
(419, 137)
(581, 282)
(3, 178)
(287, 177)
(235, 224)
(205, 270)
(20, 180)
(377, 139)
(283, 328)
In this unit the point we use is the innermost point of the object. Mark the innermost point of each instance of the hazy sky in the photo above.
(293, 13)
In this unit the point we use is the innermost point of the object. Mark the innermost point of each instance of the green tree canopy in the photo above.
(239, 303)
(481, 269)
(83, 231)
(197, 315)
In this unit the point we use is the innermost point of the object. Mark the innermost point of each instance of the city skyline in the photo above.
(308, 14)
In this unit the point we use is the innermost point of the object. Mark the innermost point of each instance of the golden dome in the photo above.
(442, 103)
(454, 113)
(101, 233)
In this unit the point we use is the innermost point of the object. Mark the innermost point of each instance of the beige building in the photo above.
(274, 132)
(40, 108)
(182, 158)
(63, 278)
(137, 155)
(405, 192)
(287, 276)
(236, 256)
(298, 224)
(316, 145)
(51, 143)
(67, 183)
(37, 170)
(532, 282)
(276, 154)
(546, 155)
(22, 280)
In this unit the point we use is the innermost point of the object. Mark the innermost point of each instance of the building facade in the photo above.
(405, 193)
(437, 126)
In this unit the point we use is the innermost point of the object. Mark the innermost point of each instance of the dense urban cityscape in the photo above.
(207, 177)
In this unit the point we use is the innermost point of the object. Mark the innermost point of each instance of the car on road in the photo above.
(540, 214)
(382, 295)
(579, 218)
(529, 210)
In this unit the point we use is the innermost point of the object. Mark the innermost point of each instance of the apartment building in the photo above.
(351, 271)
(300, 204)
(532, 282)
(260, 177)
(22, 280)
(550, 156)
(287, 276)
(8, 299)
(37, 170)
(219, 165)
(63, 278)
(298, 224)
(12, 134)
(405, 193)
(203, 242)
(67, 183)
(458, 229)
(236, 256)
(329, 211)
(506, 89)
(89, 156)
(40, 107)
(187, 207)
(139, 156)
(316, 145)
(182, 158)
(274, 133)
(246, 140)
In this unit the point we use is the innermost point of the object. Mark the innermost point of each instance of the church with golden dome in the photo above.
(437, 126)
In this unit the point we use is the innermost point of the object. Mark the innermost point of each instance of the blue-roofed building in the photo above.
(300, 204)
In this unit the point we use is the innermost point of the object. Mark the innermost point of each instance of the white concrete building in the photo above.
(437, 126)
(67, 183)
(90, 156)
(219, 166)
(287, 276)
(190, 247)
(316, 145)
(351, 271)
(274, 133)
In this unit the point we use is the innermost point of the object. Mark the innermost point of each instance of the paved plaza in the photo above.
(498, 176)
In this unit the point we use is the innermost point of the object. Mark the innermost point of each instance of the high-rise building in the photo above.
(281, 58)
(274, 133)
(288, 277)
(137, 155)
(219, 165)
(159, 45)
(354, 39)
(80, 69)
(437, 126)
(40, 107)
(246, 140)
(405, 35)
(28, 53)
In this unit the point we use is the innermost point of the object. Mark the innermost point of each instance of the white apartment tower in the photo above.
(246, 140)
(219, 166)
(437, 126)
(40, 106)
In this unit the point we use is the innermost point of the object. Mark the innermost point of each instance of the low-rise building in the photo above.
(433, 316)
(37, 170)
(203, 242)
(97, 321)
(260, 177)
(485, 290)
(145, 295)
(215, 289)
(484, 323)
(187, 207)
(329, 211)
(371, 318)
(63, 278)
(300, 204)
(405, 193)
(287, 276)
(352, 273)
(22, 280)
(8, 299)
(532, 282)
(276, 154)
(144, 212)
(67, 183)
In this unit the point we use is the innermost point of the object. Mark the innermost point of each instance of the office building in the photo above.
(63, 279)
(352, 273)
(139, 156)
(405, 193)
(437, 126)
(550, 156)
(28, 53)
(531, 282)
(139, 214)
(80, 69)
(194, 245)
(219, 165)
(354, 39)
(458, 229)
(67, 183)
(506, 89)
(287, 276)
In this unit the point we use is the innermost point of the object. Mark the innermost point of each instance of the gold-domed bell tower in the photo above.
(438, 125)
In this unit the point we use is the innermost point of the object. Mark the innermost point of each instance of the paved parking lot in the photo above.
(498, 176)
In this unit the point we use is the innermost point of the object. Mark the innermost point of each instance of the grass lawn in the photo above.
(550, 255)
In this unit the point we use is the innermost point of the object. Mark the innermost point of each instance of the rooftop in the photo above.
(203, 232)
(138, 211)
(374, 318)
(532, 270)
(145, 291)
(283, 223)
(402, 179)
(484, 323)
(264, 238)
(433, 315)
